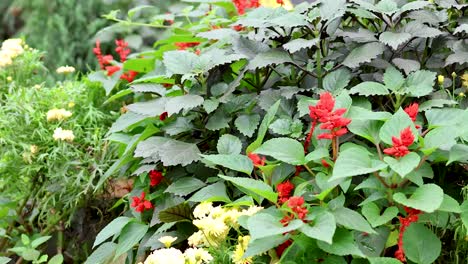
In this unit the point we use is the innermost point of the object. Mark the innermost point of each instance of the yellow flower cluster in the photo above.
(58, 114)
(464, 78)
(9, 50)
(175, 256)
(167, 240)
(65, 69)
(241, 247)
(63, 134)
(214, 223)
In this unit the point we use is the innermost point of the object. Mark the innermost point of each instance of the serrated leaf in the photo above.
(184, 186)
(126, 120)
(210, 105)
(298, 44)
(330, 10)
(459, 57)
(372, 213)
(254, 186)
(284, 149)
(407, 66)
(427, 198)
(369, 89)
(235, 162)
(249, 48)
(444, 116)
(394, 39)
(461, 28)
(218, 120)
(393, 126)
(148, 88)
(271, 57)
(218, 34)
(420, 83)
(289, 19)
(259, 246)
(440, 138)
(184, 102)
(270, 115)
(355, 161)
(322, 228)
(247, 124)
(111, 229)
(229, 144)
(337, 80)
(130, 235)
(262, 225)
(352, 220)
(4, 260)
(179, 62)
(180, 125)
(387, 6)
(180, 212)
(211, 193)
(364, 53)
(414, 6)
(404, 165)
(169, 151)
(417, 29)
(361, 36)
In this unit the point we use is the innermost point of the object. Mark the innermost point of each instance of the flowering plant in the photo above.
(328, 116)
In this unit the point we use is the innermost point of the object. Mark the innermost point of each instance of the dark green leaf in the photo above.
(130, 235)
(180, 212)
(235, 162)
(255, 186)
(184, 186)
(427, 198)
(283, 149)
(420, 244)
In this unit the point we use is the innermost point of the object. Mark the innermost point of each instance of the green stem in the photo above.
(309, 170)
(319, 68)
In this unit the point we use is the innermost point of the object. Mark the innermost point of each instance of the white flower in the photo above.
(65, 69)
(217, 212)
(5, 59)
(62, 134)
(34, 149)
(251, 210)
(58, 114)
(197, 256)
(13, 47)
(202, 209)
(196, 239)
(167, 240)
(240, 250)
(166, 256)
(9, 79)
(212, 226)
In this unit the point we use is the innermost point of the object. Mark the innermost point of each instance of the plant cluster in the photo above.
(343, 120)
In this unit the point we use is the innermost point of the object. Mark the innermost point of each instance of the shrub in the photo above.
(226, 112)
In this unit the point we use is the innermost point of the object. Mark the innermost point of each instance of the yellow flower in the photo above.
(274, 3)
(464, 78)
(34, 149)
(62, 134)
(37, 86)
(9, 79)
(65, 69)
(5, 59)
(58, 114)
(197, 256)
(461, 94)
(454, 74)
(167, 240)
(202, 209)
(166, 256)
(251, 210)
(240, 250)
(71, 104)
(13, 47)
(196, 239)
(440, 79)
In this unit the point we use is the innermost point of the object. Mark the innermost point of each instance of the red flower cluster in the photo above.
(296, 203)
(242, 5)
(105, 61)
(405, 222)
(400, 145)
(281, 2)
(140, 204)
(163, 116)
(325, 163)
(412, 111)
(281, 248)
(155, 177)
(331, 120)
(284, 191)
(257, 160)
(186, 45)
(238, 28)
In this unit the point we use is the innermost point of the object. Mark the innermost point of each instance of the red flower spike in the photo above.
(129, 76)
(122, 49)
(412, 111)
(155, 177)
(280, 2)
(257, 160)
(163, 116)
(405, 222)
(140, 203)
(284, 191)
(112, 69)
(186, 45)
(281, 248)
(242, 5)
(238, 28)
(325, 163)
(400, 145)
(102, 59)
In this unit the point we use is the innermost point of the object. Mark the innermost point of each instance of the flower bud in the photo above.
(454, 74)
(440, 79)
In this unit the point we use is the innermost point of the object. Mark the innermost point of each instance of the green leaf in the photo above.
(359, 113)
(330, 10)
(394, 39)
(435, 103)
(139, 65)
(420, 83)
(180, 212)
(257, 187)
(183, 102)
(210, 105)
(458, 152)
(413, 6)
(364, 53)
(262, 225)
(397, 123)
(130, 236)
(352, 220)
(450, 205)
(39, 241)
(368, 129)
(211, 193)
(298, 44)
(317, 154)
(103, 254)
(337, 80)
(4, 260)
(169, 151)
(179, 61)
(107, 82)
(393, 79)
(384, 260)
(57, 259)
(270, 115)
(111, 229)
(387, 6)
(323, 227)
(420, 244)
(404, 165)
(464, 213)
(369, 88)
(235, 162)
(180, 125)
(372, 245)
(343, 244)
(247, 124)
(440, 138)
(372, 213)
(218, 120)
(126, 120)
(271, 57)
(444, 117)
(407, 66)
(258, 246)
(427, 198)
(249, 47)
(283, 149)
(229, 144)
(184, 186)
(355, 161)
